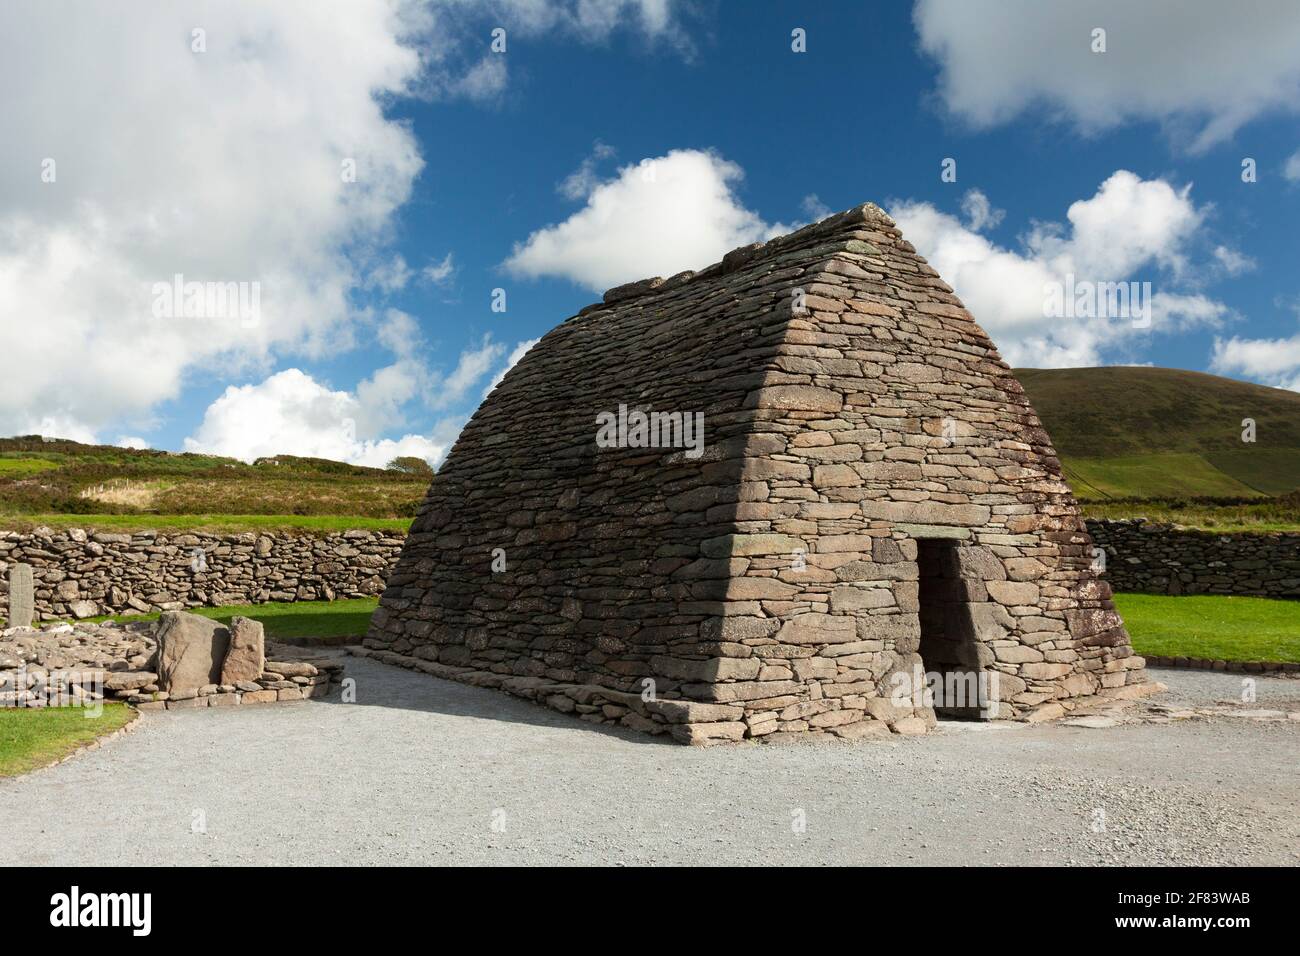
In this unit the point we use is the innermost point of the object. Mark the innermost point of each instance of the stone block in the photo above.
(190, 651)
(246, 657)
(22, 596)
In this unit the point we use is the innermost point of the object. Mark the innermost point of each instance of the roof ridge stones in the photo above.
(812, 241)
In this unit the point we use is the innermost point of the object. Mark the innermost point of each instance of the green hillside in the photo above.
(1125, 432)
(43, 479)
(1133, 441)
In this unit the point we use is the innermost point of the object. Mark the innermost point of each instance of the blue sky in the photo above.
(610, 140)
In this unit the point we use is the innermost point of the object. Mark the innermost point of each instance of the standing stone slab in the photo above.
(22, 596)
(246, 658)
(191, 650)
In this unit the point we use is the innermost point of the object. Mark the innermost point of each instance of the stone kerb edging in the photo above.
(1272, 668)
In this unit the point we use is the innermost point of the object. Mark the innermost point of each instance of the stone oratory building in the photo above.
(868, 526)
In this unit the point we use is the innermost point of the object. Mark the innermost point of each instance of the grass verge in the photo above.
(31, 738)
(338, 622)
(1218, 627)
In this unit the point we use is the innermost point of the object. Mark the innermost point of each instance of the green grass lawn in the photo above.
(25, 467)
(31, 738)
(1212, 626)
(211, 523)
(338, 622)
(1136, 475)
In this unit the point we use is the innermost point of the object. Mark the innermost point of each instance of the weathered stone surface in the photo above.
(817, 629)
(190, 651)
(1013, 592)
(128, 573)
(872, 493)
(1161, 559)
(22, 596)
(246, 656)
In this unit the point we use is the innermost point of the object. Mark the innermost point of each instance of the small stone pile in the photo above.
(181, 661)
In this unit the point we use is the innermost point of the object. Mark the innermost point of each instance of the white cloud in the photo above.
(656, 217)
(470, 369)
(515, 355)
(1272, 361)
(52, 426)
(132, 441)
(814, 208)
(1233, 262)
(1130, 230)
(224, 165)
(1201, 67)
(291, 413)
(440, 273)
(1291, 171)
(580, 183)
(220, 166)
(979, 212)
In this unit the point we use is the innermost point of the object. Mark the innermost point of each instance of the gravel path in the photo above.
(420, 770)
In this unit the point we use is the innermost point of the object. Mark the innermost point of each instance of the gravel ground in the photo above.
(427, 771)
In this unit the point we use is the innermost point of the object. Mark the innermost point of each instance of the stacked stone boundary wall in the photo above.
(1153, 558)
(79, 574)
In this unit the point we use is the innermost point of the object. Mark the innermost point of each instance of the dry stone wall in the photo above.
(1159, 559)
(77, 574)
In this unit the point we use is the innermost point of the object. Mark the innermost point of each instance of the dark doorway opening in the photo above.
(949, 652)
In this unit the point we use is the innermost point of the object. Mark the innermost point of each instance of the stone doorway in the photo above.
(948, 647)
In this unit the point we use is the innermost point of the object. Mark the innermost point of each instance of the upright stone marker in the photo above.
(22, 596)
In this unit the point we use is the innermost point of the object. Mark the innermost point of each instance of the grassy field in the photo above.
(1212, 626)
(40, 478)
(31, 738)
(1158, 432)
(1136, 475)
(336, 621)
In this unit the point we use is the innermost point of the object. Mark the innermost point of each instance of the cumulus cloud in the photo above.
(814, 208)
(1291, 171)
(290, 413)
(132, 441)
(656, 217)
(265, 158)
(1200, 67)
(580, 183)
(1273, 361)
(473, 365)
(1232, 262)
(224, 165)
(979, 212)
(1131, 229)
(440, 272)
